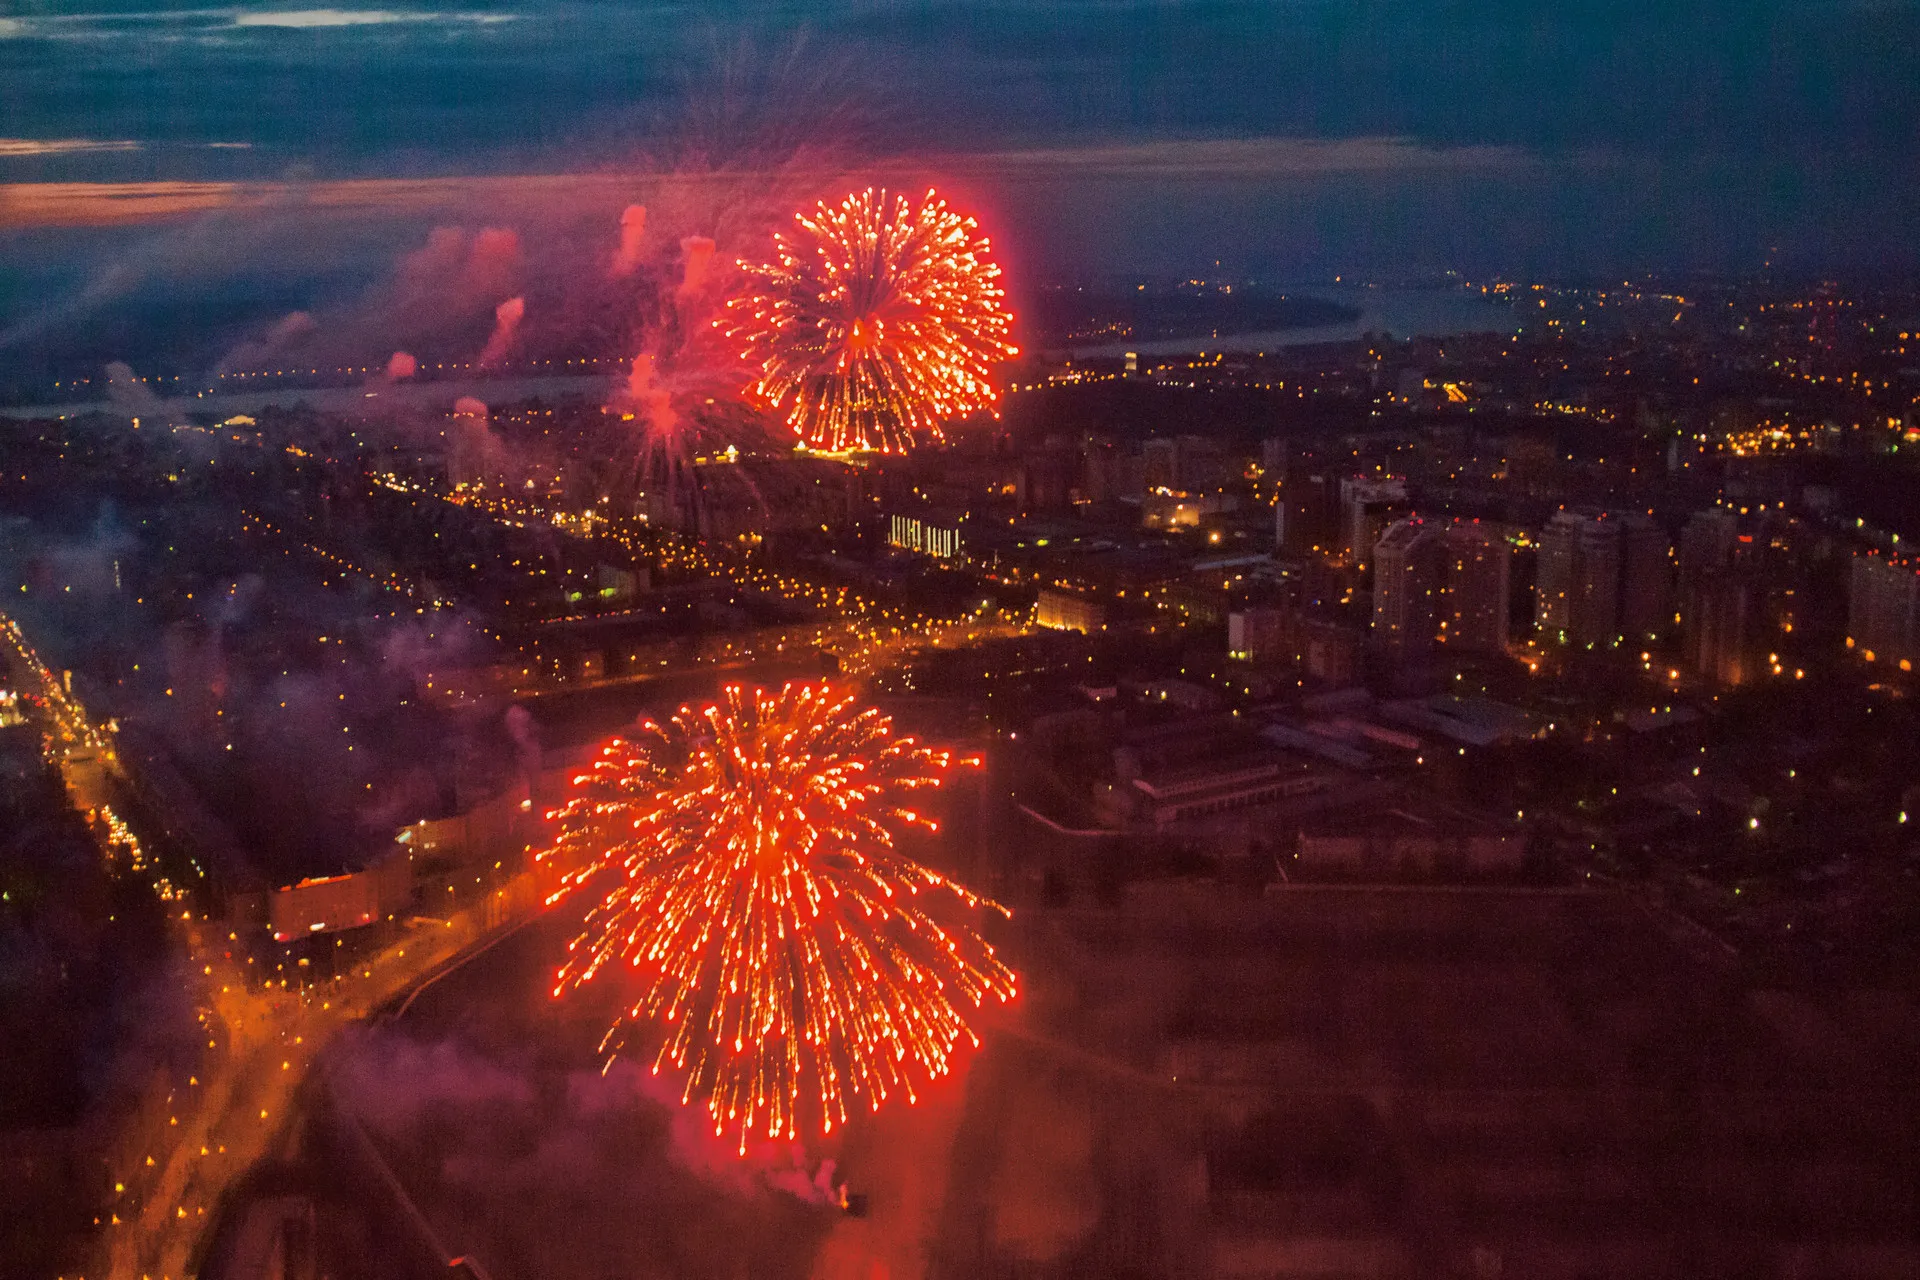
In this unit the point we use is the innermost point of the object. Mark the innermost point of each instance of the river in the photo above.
(1403, 313)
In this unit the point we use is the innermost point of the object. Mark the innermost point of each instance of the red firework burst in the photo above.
(782, 945)
(877, 320)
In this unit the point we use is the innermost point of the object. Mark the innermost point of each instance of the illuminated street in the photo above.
(967, 641)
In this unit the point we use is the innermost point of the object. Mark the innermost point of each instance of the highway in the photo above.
(172, 1165)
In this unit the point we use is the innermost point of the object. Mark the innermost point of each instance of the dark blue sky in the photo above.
(535, 81)
(1287, 140)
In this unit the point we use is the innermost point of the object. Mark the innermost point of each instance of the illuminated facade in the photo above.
(938, 538)
(351, 901)
(1177, 509)
(1069, 611)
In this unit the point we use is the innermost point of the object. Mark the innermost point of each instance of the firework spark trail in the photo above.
(780, 941)
(877, 320)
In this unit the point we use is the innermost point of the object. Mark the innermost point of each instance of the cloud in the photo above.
(98, 204)
(127, 392)
(310, 18)
(1243, 158)
(210, 22)
(254, 352)
(21, 148)
(13, 147)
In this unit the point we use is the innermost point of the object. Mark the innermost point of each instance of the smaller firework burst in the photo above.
(877, 320)
(790, 958)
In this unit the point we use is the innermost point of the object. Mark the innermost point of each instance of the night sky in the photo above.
(1286, 141)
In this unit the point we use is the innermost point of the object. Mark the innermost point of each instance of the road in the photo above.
(261, 1041)
(264, 1046)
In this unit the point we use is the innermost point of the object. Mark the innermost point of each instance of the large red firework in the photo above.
(782, 947)
(877, 320)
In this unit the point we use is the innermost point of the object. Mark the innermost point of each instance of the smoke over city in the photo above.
(633, 231)
(919, 641)
(501, 1145)
(506, 325)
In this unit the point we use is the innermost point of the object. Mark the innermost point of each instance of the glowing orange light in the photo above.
(877, 320)
(780, 943)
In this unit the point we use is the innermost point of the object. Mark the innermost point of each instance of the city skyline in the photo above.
(935, 639)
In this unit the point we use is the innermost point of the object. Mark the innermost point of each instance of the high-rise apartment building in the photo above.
(1646, 575)
(1308, 513)
(1725, 637)
(1883, 610)
(1586, 574)
(1478, 575)
(1367, 507)
(1553, 579)
(1409, 574)
(1705, 551)
(1593, 620)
